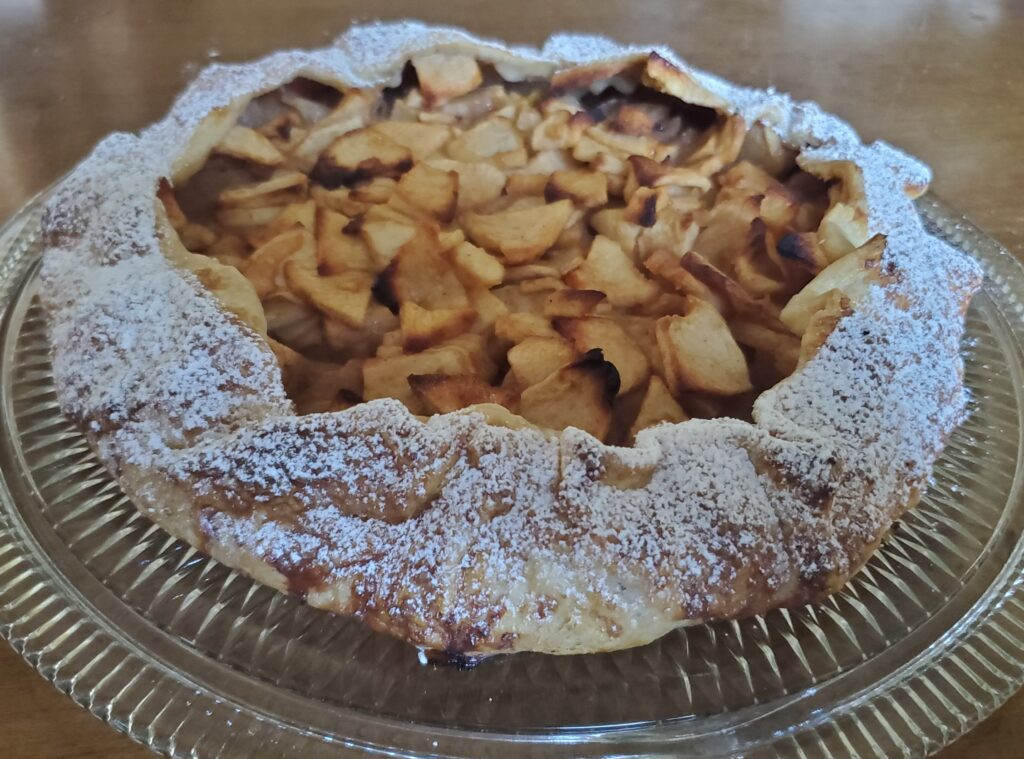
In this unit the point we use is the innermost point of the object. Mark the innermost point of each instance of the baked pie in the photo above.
(506, 349)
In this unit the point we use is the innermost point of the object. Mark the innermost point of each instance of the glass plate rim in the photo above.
(67, 657)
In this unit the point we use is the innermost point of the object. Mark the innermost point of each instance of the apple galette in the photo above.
(503, 349)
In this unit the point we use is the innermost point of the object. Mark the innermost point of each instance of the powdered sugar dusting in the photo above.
(460, 535)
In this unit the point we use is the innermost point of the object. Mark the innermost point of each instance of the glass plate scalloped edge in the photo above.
(108, 662)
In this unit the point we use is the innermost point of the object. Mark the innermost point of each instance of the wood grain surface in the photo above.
(943, 80)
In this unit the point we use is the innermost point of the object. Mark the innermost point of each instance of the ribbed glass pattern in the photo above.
(193, 659)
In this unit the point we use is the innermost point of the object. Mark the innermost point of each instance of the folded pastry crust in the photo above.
(470, 532)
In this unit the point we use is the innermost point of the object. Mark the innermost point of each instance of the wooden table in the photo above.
(942, 80)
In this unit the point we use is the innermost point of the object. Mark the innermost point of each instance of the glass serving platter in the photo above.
(192, 659)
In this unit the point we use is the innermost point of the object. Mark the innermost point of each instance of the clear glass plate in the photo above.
(192, 659)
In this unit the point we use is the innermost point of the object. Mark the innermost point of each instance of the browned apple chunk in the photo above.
(777, 350)
(496, 139)
(433, 190)
(612, 223)
(479, 183)
(535, 358)
(727, 290)
(420, 273)
(802, 249)
(843, 229)
(264, 266)
(374, 192)
(609, 270)
(443, 393)
(526, 184)
(516, 327)
(293, 215)
(443, 76)
(422, 329)
(520, 235)
(339, 199)
(699, 352)
(668, 267)
(616, 345)
(724, 230)
(635, 119)
(644, 172)
(337, 252)
(756, 265)
(343, 296)
(386, 238)
(421, 140)
(477, 265)
(572, 303)
(281, 189)
(608, 140)
(249, 145)
(585, 188)
(361, 155)
(721, 147)
(306, 142)
(852, 275)
(579, 395)
(657, 407)
(643, 207)
(830, 308)
(389, 377)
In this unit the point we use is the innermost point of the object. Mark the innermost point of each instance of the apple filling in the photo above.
(603, 257)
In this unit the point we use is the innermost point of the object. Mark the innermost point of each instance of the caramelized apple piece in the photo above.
(617, 347)
(516, 327)
(479, 183)
(477, 265)
(264, 266)
(443, 76)
(433, 190)
(572, 303)
(535, 358)
(422, 329)
(609, 270)
(389, 377)
(444, 393)
(658, 406)
(343, 296)
(420, 273)
(521, 235)
(361, 155)
(852, 275)
(585, 188)
(579, 395)
(249, 145)
(699, 352)
(337, 252)
(281, 189)
(421, 140)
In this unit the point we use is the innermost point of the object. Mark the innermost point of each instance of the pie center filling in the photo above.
(602, 256)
